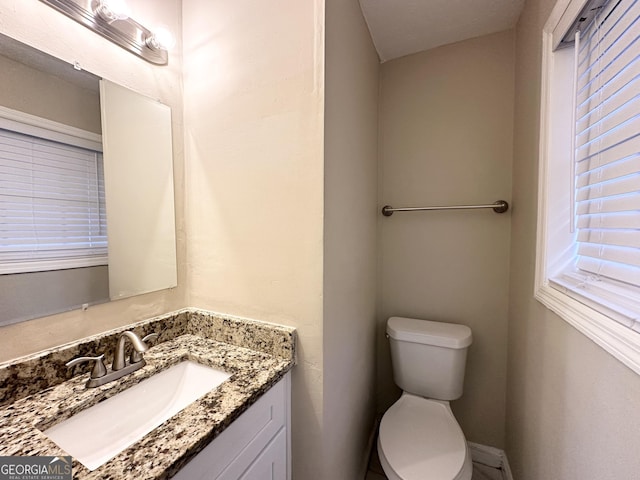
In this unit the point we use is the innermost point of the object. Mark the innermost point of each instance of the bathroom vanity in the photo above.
(237, 430)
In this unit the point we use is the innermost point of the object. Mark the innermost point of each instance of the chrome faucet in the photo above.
(100, 375)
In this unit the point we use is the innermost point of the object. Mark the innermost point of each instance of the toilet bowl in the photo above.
(419, 437)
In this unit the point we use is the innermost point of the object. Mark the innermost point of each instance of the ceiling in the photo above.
(403, 27)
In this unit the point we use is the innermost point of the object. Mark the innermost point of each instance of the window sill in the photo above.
(620, 341)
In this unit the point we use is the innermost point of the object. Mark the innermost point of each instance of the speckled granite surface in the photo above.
(161, 453)
(31, 374)
(261, 336)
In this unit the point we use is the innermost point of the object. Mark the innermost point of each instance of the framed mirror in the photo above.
(83, 163)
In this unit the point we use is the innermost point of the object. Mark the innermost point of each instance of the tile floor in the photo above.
(480, 472)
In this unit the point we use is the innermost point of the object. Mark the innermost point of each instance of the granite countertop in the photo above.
(162, 452)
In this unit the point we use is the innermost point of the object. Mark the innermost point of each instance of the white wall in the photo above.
(572, 409)
(445, 138)
(351, 123)
(34, 23)
(254, 99)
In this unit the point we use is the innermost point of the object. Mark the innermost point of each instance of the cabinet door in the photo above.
(271, 464)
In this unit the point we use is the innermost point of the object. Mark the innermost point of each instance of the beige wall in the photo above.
(572, 409)
(254, 97)
(36, 24)
(445, 138)
(351, 123)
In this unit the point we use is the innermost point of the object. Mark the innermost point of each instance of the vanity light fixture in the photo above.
(110, 18)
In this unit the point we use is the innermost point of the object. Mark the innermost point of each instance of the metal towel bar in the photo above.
(499, 206)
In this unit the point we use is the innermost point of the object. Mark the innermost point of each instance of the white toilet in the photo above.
(419, 437)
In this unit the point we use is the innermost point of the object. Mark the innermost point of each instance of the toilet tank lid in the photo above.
(439, 334)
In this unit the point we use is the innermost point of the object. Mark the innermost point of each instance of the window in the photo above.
(588, 256)
(52, 207)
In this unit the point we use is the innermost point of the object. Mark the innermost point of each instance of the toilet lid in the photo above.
(421, 440)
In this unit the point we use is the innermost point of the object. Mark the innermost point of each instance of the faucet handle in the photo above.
(136, 356)
(99, 370)
(151, 336)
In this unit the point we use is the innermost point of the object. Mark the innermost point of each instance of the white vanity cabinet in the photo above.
(256, 446)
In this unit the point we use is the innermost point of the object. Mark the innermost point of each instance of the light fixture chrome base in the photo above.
(126, 33)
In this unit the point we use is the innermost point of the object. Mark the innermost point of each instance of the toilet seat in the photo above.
(420, 439)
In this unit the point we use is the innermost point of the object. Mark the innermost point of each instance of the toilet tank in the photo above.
(429, 358)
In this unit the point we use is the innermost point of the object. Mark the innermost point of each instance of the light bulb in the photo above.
(161, 39)
(111, 10)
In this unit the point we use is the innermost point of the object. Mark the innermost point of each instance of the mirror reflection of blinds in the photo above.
(606, 271)
(52, 207)
(582, 21)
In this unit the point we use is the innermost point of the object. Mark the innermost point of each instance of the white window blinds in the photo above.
(52, 208)
(605, 272)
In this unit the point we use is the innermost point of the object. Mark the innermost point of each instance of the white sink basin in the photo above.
(96, 435)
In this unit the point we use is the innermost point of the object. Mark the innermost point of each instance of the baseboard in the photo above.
(373, 435)
(492, 457)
